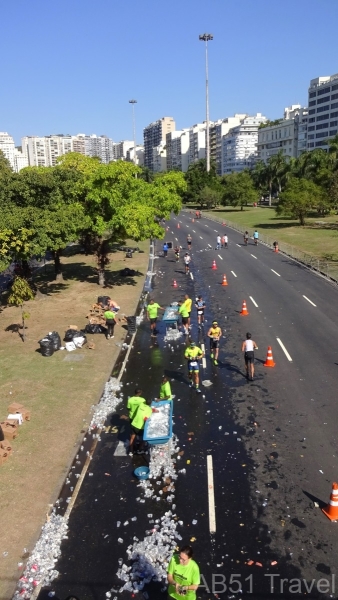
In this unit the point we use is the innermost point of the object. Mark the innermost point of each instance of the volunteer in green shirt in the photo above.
(143, 412)
(183, 575)
(183, 311)
(110, 322)
(152, 309)
(134, 402)
(193, 353)
(188, 303)
(165, 389)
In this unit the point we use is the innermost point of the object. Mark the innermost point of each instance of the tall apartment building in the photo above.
(240, 145)
(159, 158)
(136, 156)
(323, 111)
(283, 135)
(153, 135)
(177, 143)
(120, 149)
(218, 129)
(197, 142)
(15, 157)
(44, 151)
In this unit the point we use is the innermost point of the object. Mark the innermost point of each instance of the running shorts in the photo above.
(193, 366)
(249, 357)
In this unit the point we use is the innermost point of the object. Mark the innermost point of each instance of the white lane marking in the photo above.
(211, 495)
(210, 246)
(284, 349)
(308, 299)
(180, 221)
(234, 274)
(201, 237)
(221, 257)
(207, 225)
(215, 230)
(253, 256)
(253, 301)
(194, 231)
(239, 246)
(172, 232)
(204, 362)
(187, 225)
(176, 239)
(192, 277)
(275, 272)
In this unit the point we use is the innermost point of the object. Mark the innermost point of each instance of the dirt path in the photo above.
(58, 390)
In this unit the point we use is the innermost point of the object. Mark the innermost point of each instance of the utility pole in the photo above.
(207, 37)
(133, 102)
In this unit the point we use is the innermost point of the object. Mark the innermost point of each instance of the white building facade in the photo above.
(197, 145)
(159, 158)
(121, 149)
(284, 134)
(177, 146)
(218, 129)
(240, 145)
(136, 155)
(16, 158)
(323, 111)
(44, 151)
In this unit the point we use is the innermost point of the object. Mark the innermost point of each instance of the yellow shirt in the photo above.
(188, 304)
(215, 332)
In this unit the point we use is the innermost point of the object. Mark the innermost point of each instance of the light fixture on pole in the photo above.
(133, 102)
(207, 37)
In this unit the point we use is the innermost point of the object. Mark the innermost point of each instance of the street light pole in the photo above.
(133, 102)
(207, 37)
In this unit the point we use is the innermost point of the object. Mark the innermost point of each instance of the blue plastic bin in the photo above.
(163, 440)
(142, 472)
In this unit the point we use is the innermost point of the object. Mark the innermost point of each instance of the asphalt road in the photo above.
(272, 441)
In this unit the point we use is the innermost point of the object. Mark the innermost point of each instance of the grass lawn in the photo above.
(319, 236)
(58, 390)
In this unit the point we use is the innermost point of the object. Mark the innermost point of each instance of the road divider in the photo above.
(275, 272)
(211, 495)
(253, 301)
(308, 299)
(284, 349)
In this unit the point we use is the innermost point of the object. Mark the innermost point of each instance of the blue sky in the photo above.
(71, 66)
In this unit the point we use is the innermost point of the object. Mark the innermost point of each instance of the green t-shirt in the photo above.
(192, 353)
(165, 390)
(188, 574)
(183, 310)
(142, 411)
(152, 310)
(109, 315)
(133, 404)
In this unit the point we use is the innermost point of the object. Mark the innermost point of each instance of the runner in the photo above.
(219, 241)
(214, 334)
(193, 354)
(177, 253)
(152, 310)
(188, 303)
(189, 240)
(256, 236)
(225, 241)
(200, 305)
(248, 347)
(183, 311)
(165, 249)
(187, 261)
(246, 237)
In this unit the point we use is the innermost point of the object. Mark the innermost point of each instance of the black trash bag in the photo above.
(103, 300)
(69, 334)
(46, 347)
(94, 328)
(54, 336)
(127, 272)
(131, 324)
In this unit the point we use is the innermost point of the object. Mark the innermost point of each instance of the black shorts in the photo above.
(249, 357)
(185, 320)
(214, 343)
(200, 312)
(136, 430)
(153, 320)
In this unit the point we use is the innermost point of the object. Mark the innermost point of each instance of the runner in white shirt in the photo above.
(187, 261)
(248, 347)
(219, 241)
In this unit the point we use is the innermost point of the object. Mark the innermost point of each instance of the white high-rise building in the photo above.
(159, 158)
(120, 149)
(20, 160)
(240, 145)
(218, 129)
(154, 135)
(323, 111)
(44, 151)
(197, 134)
(7, 146)
(283, 134)
(177, 143)
(136, 155)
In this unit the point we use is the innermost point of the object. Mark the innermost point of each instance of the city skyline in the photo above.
(262, 58)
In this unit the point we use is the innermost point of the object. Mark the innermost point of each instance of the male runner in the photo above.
(152, 310)
(187, 261)
(214, 334)
(248, 347)
(200, 305)
(193, 354)
(189, 240)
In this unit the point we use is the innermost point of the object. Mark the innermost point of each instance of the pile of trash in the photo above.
(151, 556)
(108, 403)
(159, 423)
(172, 335)
(40, 566)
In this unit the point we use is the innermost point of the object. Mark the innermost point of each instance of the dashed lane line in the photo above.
(201, 237)
(253, 301)
(194, 231)
(215, 230)
(275, 272)
(308, 299)
(211, 495)
(239, 246)
(253, 256)
(221, 257)
(210, 246)
(204, 362)
(234, 274)
(284, 349)
(191, 276)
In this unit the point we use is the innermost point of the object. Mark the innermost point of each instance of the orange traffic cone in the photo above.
(178, 226)
(214, 266)
(331, 510)
(175, 283)
(224, 282)
(269, 359)
(244, 310)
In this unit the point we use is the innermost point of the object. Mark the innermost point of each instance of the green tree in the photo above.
(21, 293)
(197, 178)
(299, 197)
(238, 189)
(210, 197)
